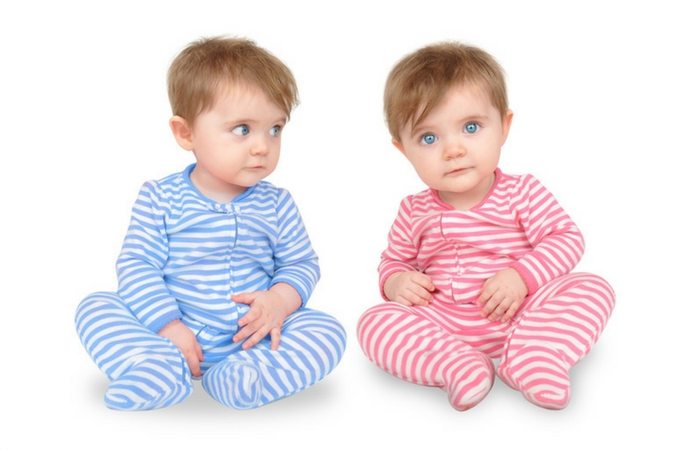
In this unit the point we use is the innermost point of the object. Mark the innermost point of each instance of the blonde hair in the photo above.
(210, 64)
(419, 81)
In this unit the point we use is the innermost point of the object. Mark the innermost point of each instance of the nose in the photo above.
(454, 149)
(259, 147)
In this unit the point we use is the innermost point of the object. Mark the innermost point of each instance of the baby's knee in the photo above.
(599, 284)
(96, 300)
(376, 318)
(329, 326)
(318, 322)
(379, 312)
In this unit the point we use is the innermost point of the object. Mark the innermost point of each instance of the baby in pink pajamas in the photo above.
(479, 265)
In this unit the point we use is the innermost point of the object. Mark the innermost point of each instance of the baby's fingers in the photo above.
(418, 295)
(511, 311)
(252, 315)
(500, 309)
(193, 363)
(246, 331)
(487, 293)
(423, 281)
(490, 305)
(245, 298)
(413, 298)
(275, 337)
(256, 337)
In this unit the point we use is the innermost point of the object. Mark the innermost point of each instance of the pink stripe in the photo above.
(403, 367)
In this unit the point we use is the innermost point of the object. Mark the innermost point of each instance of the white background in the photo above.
(606, 115)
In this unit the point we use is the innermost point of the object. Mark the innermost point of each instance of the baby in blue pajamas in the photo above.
(216, 268)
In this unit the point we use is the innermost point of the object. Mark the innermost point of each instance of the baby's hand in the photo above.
(268, 310)
(502, 295)
(409, 288)
(184, 339)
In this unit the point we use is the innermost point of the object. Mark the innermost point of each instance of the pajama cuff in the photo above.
(163, 320)
(527, 277)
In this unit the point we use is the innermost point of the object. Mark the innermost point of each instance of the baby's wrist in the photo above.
(390, 283)
(289, 297)
(171, 327)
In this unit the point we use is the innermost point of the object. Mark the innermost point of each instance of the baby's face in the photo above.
(237, 141)
(456, 148)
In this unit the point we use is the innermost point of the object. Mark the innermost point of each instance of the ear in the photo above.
(182, 132)
(507, 120)
(398, 145)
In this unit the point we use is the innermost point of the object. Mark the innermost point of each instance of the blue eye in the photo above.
(276, 130)
(241, 130)
(428, 138)
(471, 127)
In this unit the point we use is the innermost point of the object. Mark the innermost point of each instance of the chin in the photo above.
(461, 188)
(255, 181)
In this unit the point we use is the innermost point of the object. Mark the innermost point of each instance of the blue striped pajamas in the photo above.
(183, 257)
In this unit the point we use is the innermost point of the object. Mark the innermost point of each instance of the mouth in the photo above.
(458, 171)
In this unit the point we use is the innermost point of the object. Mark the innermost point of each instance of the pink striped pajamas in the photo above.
(449, 344)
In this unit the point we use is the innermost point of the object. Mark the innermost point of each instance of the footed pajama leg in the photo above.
(311, 345)
(415, 349)
(146, 371)
(558, 327)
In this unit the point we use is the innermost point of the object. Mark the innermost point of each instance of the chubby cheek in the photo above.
(494, 157)
(230, 167)
(273, 156)
(430, 175)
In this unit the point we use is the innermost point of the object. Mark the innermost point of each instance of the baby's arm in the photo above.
(140, 264)
(296, 274)
(557, 246)
(296, 263)
(557, 243)
(399, 280)
(140, 272)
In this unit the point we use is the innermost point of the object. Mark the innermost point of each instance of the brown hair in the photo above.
(420, 80)
(207, 65)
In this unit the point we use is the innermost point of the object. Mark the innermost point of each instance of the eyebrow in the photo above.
(282, 119)
(421, 128)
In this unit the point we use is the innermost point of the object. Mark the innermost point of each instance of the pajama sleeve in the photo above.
(557, 243)
(140, 264)
(400, 255)
(295, 261)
